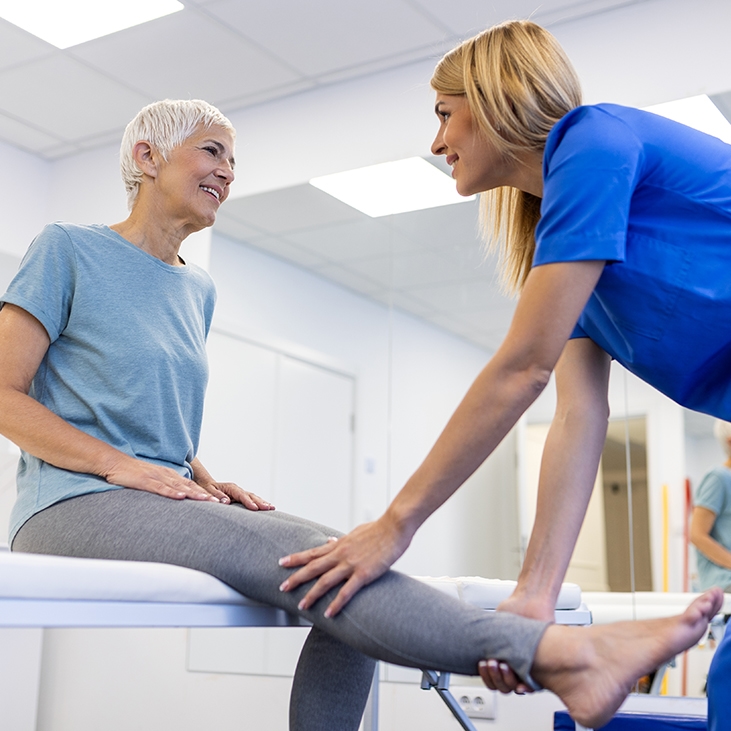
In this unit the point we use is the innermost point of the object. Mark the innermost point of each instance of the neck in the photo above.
(528, 173)
(154, 232)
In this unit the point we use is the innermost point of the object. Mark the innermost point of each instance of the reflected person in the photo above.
(710, 527)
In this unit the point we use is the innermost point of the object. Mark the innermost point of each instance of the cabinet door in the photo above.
(313, 466)
(237, 437)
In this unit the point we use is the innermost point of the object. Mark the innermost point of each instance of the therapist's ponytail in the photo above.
(518, 83)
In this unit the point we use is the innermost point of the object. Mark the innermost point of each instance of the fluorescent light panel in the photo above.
(696, 111)
(392, 187)
(65, 23)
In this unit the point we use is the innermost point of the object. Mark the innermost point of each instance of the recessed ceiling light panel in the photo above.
(65, 23)
(392, 187)
(696, 111)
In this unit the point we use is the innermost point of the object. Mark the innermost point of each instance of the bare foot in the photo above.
(592, 669)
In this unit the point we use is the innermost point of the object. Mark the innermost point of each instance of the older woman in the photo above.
(102, 377)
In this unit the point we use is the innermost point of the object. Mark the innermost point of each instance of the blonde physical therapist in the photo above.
(616, 226)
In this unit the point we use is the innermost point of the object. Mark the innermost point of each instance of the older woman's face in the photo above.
(197, 176)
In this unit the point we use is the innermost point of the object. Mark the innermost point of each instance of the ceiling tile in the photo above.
(421, 268)
(75, 102)
(185, 55)
(249, 98)
(23, 135)
(410, 304)
(442, 227)
(459, 296)
(291, 209)
(235, 229)
(358, 239)
(468, 17)
(345, 34)
(18, 47)
(349, 279)
(284, 250)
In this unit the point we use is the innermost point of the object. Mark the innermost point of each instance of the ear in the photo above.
(146, 157)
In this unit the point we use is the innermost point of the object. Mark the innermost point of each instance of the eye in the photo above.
(212, 150)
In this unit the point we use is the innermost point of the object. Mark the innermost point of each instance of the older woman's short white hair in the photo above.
(722, 432)
(165, 125)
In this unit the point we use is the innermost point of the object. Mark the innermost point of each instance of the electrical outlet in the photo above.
(475, 702)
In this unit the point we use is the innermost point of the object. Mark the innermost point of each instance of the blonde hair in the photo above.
(518, 83)
(165, 125)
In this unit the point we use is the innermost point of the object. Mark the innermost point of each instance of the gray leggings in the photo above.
(396, 618)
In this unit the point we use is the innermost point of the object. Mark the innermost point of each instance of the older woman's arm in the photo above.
(551, 302)
(38, 431)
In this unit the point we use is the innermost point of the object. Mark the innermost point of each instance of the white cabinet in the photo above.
(282, 427)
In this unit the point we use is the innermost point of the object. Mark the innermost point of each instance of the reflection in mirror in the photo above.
(621, 511)
(423, 278)
(428, 263)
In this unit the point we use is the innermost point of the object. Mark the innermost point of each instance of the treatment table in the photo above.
(55, 591)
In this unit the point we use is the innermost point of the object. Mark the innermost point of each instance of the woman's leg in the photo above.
(396, 619)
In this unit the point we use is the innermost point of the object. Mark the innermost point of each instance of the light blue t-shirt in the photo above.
(652, 198)
(714, 493)
(127, 361)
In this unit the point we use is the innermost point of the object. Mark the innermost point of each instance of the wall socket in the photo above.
(475, 702)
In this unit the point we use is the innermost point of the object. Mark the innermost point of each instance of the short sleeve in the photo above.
(591, 167)
(44, 284)
(711, 493)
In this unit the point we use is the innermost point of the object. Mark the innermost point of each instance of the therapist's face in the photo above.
(476, 164)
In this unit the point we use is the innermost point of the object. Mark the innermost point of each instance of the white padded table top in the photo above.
(488, 593)
(41, 590)
(36, 576)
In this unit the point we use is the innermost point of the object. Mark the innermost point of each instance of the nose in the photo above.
(438, 147)
(226, 172)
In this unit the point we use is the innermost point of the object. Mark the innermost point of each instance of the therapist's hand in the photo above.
(498, 675)
(356, 559)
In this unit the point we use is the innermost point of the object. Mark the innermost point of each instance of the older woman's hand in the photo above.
(140, 475)
(227, 492)
(230, 492)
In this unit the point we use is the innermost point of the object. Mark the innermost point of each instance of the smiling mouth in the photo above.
(212, 191)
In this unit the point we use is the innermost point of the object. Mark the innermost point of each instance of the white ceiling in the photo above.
(233, 53)
(240, 53)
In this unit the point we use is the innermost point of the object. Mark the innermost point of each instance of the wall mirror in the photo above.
(430, 303)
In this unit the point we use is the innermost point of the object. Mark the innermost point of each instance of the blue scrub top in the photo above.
(652, 198)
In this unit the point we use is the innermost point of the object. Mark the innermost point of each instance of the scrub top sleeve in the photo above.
(578, 333)
(711, 494)
(591, 167)
(44, 284)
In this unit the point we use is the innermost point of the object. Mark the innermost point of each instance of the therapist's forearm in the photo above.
(568, 472)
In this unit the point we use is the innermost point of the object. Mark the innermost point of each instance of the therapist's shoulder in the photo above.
(594, 127)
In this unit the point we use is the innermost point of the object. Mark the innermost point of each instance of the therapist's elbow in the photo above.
(535, 378)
